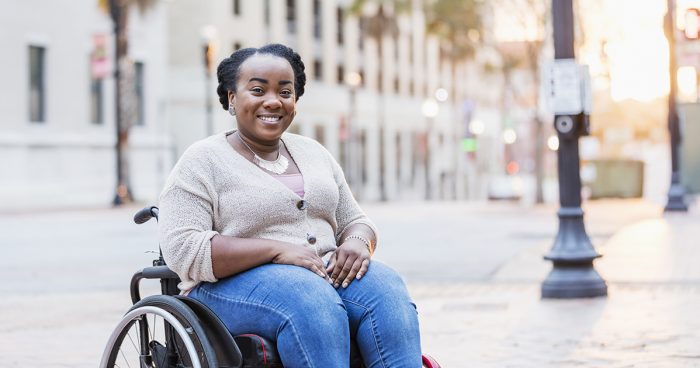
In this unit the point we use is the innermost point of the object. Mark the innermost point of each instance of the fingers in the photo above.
(331, 263)
(338, 268)
(318, 269)
(363, 269)
(353, 272)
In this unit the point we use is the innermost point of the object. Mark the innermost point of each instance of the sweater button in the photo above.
(302, 205)
(311, 239)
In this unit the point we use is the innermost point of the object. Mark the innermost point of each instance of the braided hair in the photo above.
(229, 69)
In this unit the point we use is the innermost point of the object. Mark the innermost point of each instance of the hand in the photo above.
(299, 255)
(349, 262)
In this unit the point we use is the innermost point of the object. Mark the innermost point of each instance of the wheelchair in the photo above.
(174, 331)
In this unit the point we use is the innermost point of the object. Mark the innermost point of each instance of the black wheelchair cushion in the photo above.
(260, 352)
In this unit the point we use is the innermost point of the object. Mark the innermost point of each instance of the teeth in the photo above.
(269, 118)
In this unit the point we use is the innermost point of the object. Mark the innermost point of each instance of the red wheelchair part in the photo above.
(429, 362)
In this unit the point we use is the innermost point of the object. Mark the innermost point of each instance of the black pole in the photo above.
(118, 13)
(572, 254)
(676, 192)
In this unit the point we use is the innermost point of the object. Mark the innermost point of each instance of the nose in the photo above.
(272, 103)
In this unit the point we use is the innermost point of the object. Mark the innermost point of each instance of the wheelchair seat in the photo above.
(260, 352)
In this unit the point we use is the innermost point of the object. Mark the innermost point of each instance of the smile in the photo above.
(269, 118)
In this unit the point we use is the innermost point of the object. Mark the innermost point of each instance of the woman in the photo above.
(261, 226)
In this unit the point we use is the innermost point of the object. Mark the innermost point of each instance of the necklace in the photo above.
(278, 166)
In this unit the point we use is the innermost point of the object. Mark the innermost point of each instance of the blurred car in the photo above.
(505, 187)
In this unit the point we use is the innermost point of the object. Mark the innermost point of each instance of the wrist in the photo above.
(367, 242)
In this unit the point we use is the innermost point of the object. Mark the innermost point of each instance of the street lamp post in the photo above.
(572, 254)
(676, 191)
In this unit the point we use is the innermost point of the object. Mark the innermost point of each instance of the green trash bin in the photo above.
(617, 178)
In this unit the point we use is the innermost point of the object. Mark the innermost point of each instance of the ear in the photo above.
(231, 97)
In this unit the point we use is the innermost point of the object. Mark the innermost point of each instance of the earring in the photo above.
(231, 110)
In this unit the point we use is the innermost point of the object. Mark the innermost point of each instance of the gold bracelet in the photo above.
(368, 243)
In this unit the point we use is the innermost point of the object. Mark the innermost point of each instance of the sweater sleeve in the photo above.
(186, 222)
(348, 211)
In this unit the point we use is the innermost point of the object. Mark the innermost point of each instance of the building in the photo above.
(390, 142)
(371, 99)
(57, 128)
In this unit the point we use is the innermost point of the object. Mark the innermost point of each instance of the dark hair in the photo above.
(229, 69)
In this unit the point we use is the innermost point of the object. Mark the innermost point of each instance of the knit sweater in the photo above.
(214, 190)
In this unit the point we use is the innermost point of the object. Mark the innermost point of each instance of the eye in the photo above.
(257, 90)
(286, 93)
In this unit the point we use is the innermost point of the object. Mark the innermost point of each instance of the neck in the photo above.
(260, 148)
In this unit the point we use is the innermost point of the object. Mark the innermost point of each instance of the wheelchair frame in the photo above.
(191, 325)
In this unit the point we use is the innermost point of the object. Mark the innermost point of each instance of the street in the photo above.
(474, 270)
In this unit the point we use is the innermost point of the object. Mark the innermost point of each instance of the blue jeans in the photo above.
(312, 322)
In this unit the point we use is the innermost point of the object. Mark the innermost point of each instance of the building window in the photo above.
(139, 93)
(317, 19)
(396, 85)
(341, 74)
(291, 16)
(266, 12)
(37, 84)
(96, 100)
(236, 7)
(340, 19)
(318, 69)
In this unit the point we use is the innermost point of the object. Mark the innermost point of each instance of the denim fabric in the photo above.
(312, 322)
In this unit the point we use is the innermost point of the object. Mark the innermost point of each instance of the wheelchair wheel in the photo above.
(162, 332)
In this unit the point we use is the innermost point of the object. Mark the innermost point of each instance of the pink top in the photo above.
(295, 182)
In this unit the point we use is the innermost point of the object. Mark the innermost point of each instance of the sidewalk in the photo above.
(474, 270)
(649, 319)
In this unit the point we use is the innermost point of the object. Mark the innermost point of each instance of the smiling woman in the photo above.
(260, 226)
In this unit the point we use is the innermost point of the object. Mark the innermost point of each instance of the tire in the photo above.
(187, 346)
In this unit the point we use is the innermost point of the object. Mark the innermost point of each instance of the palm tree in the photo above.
(119, 11)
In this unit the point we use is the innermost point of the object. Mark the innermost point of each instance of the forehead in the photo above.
(266, 66)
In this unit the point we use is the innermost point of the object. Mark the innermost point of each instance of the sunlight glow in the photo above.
(639, 67)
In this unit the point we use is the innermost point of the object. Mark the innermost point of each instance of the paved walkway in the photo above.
(474, 270)
(649, 319)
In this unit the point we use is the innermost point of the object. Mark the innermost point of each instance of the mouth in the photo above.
(271, 119)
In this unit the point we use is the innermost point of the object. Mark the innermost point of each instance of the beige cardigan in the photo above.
(214, 190)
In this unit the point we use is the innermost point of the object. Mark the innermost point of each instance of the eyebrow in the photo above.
(261, 80)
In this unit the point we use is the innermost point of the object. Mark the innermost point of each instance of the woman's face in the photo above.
(264, 99)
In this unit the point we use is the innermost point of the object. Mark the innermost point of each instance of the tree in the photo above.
(119, 12)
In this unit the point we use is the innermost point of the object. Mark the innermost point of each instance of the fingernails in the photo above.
(358, 276)
(336, 285)
(345, 284)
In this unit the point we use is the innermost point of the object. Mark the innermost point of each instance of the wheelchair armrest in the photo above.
(158, 272)
(168, 280)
